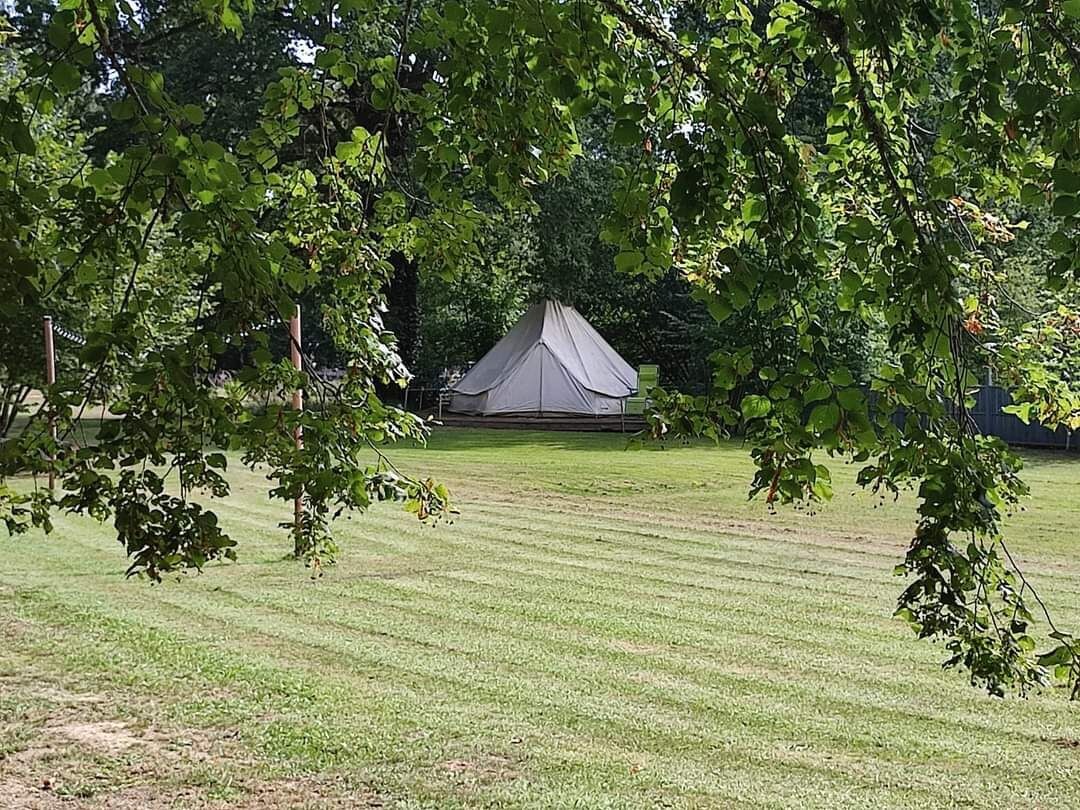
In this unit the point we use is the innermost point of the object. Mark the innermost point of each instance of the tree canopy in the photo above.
(399, 128)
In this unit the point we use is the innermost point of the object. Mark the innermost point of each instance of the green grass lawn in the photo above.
(600, 628)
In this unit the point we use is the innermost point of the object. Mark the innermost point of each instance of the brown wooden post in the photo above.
(298, 405)
(50, 379)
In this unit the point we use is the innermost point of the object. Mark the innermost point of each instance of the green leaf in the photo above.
(818, 391)
(328, 58)
(719, 308)
(1021, 411)
(627, 132)
(21, 138)
(1066, 180)
(851, 399)
(231, 21)
(744, 363)
(101, 180)
(824, 417)
(861, 227)
(582, 106)
(1032, 195)
(193, 113)
(755, 406)
(123, 110)
(1066, 205)
(60, 32)
(628, 261)
(753, 210)
(841, 377)
(1031, 98)
(564, 87)
(454, 13)
(346, 150)
(66, 77)
(1059, 655)
(776, 27)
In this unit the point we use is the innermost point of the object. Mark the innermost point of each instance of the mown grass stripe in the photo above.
(708, 656)
(606, 720)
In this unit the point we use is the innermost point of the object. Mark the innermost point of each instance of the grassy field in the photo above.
(598, 629)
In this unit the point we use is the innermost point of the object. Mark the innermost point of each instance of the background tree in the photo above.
(556, 251)
(466, 311)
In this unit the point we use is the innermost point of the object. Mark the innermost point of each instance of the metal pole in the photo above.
(50, 379)
(298, 405)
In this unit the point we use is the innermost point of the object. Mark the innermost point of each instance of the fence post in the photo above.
(50, 379)
(298, 431)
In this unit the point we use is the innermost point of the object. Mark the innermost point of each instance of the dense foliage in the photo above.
(556, 252)
(413, 122)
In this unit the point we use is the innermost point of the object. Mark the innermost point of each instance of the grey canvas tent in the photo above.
(552, 361)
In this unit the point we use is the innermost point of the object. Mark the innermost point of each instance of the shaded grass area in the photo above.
(600, 628)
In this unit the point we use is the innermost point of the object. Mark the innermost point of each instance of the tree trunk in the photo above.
(403, 298)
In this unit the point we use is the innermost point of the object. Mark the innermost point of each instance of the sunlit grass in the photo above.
(599, 628)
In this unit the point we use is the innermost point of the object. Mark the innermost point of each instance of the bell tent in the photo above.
(553, 362)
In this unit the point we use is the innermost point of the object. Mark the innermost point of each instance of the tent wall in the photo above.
(552, 361)
(468, 403)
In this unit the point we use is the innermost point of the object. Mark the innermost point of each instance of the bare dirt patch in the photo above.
(17, 794)
(107, 736)
(71, 754)
(481, 769)
(12, 627)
